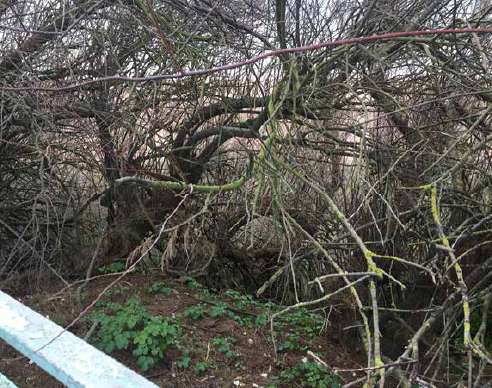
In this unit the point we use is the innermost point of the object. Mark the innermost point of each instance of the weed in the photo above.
(195, 312)
(118, 290)
(241, 301)
(292, 342)
(223, 345)
(233, 294)
(132, 327)
(192, 283)
(242, 321)
(118, 329)
(218, 310)
(261, 320)
(310, 374)
(160, 288)
(184, 362)
(310, 324)
(153, 340)
(201, 367)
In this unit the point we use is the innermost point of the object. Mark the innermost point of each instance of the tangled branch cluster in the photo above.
(356, 171)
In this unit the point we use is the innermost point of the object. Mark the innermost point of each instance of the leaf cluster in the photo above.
(310, 374)
(131, 327)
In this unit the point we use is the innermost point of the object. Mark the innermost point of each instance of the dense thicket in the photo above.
(368, 162)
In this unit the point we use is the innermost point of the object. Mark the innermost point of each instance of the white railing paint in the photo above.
(67, 358)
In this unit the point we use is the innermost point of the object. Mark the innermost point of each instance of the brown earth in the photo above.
(255, 365)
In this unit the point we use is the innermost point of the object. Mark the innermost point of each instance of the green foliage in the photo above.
(261, 320)
(233, 294)
(192, 283)
(119, 326)
(304, 322)
(117, 266)
(247, 302)
(118, 290)
(154, 339)
(310, 324)
(201, 367)
(310, 374)
(291, 342)
(195, 312)
(241, 301)
(223, 345)
(218, 310)
(160, 288)
(221, 309)
(131, 327)
(184, 362)
(243, 321)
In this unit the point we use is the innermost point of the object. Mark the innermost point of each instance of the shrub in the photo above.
(311, 374)
(131, 327)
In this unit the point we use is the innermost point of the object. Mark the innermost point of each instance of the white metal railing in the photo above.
(66, 357)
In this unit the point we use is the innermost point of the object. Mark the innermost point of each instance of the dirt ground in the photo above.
(256, 363)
